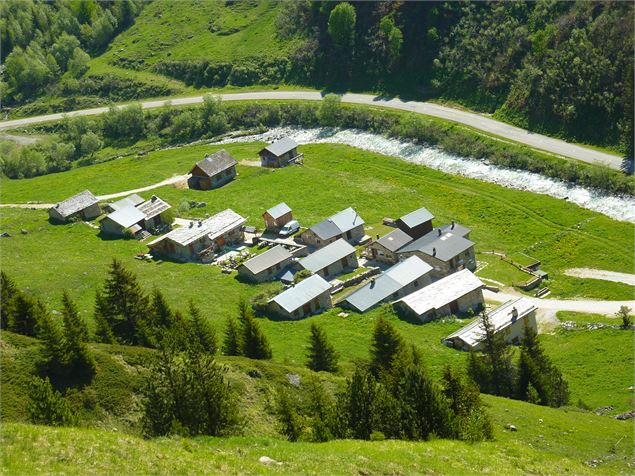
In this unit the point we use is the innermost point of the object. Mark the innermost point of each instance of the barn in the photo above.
(456, 294)
(213, 171)
(337, 258)
(346, 224)
(83, 206)
(266, 266)
(310, 296)
(279, 154)
(509, 319)
(396, 282)
(278, 216)
(188, 243)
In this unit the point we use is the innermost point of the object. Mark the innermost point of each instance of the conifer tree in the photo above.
(290, 422)
(161, 316)
(322, 412)
(47, 406)
(26, 314)
(232, 341)
(254, 342)
(358, 404)
(103, 331)
(124, 306)
(55, 354)
(72, 321)
(79, 364)
(201, 333)
(8, 293)
(385, 346)
(321, 354)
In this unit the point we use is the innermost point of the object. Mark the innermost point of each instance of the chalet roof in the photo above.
(133, 200)
(456, 229)
(444, 246)
(126, 216)
(267, 260)
(279, 210)
(442, 292)
(395, 240)
(501, 317)
(326, 256)
(389, 282)
(213, 227)
(153, 207)
(76, 203)
(281, 147)
(300, 294)
(216, 163)
(417, 217)
(337, 224)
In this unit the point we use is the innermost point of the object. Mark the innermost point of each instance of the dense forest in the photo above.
(562, 68)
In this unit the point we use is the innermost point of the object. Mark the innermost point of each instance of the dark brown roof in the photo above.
(216, 163)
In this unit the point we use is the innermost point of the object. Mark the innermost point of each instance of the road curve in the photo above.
(477, 121)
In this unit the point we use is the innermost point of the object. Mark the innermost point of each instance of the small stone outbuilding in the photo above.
(83, 206)
(385, 249)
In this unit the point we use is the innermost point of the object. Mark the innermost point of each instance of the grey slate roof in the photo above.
(279, 210)
(127, 216)
(326, 256)
(456, 229)
(444, 247)
(442, 292)
(133, 200)
(76, 203)
(417, 217)
(213, 227)
(394, 240)
(339, 223)
(302, 293)
(281, 147)
(153, 207)
(216, 163)
(267, 260)
(500, 318)
(388, 283)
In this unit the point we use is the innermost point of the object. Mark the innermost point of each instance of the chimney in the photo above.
(452, 227)
(200, 223)
(372, 283)
(439, 231)
(378, 237)
(434, 251)
(191, 224)
(154, 197)
(514, 314)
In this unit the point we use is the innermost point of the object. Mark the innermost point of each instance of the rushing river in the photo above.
(619, 208)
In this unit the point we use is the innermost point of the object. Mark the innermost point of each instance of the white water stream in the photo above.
(617, 207)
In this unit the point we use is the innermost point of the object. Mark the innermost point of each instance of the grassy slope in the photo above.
(548, 441)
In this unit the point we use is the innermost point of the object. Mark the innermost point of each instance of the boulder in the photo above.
(511, 427)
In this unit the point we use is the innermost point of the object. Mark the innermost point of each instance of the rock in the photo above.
(201, 204)
(603, 410)
(267, 460)
(5, 235)
(24, 232)
(625, 416)
(255, 373)
(294, 379)
(511, 427)
(343, 314)
(539, 420)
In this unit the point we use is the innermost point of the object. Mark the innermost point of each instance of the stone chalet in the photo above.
(385, 249)
(337, 258)
(188, 243)
(266, 266)
(455, 294)
(84, 206)
(310, 296)
(346, 224)
(213, 171)
(509, 319)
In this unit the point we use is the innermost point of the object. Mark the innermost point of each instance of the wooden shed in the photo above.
(279, 154)
(278, 216)
(213, 171)
(416, 223)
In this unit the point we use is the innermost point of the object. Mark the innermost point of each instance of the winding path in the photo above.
(471, 119)
(602, 274)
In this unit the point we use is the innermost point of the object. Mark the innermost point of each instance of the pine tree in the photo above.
(103, 331)
(72, 320)
(125, 306)
(322, 412)
(202, 335)
(80, 364)
(8, 293)
(385, 346)
(161, 316)
(321, 354)
(255, 343)
(47, 406)
(358, 404)
(55, 354)
(26, 313)
(290, 423)
(232, 342)
(497, 362)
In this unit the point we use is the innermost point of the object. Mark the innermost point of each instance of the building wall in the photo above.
(417, 231)
(383, 254)
(200, 181)
(353, 236)
(317, 305)
(267, 159)
(110, 227)
(271, 224)
(337, 268)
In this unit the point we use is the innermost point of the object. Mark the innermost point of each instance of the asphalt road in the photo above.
(477, 121)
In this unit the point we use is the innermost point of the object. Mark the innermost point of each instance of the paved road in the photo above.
(578, 305)
(602, 274)
(477, 121)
